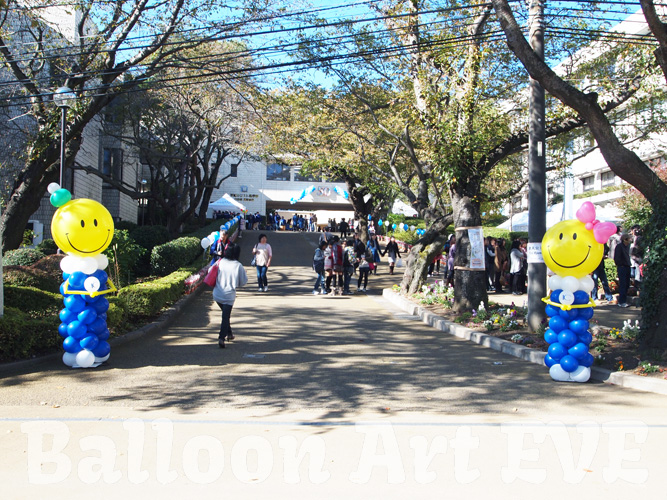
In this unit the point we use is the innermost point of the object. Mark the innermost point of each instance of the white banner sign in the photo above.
(534, 251)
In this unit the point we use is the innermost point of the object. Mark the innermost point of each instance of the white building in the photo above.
(269, 187)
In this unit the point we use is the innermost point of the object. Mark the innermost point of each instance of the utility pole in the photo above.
(537, 202)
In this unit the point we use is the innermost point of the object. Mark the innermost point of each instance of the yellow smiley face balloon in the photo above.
(569, 249)
(82, 227)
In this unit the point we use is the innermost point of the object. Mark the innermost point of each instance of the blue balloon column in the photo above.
(568, 336)
(84, 320)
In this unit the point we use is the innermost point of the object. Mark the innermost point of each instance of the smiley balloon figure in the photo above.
(83, 229)
(572, 249)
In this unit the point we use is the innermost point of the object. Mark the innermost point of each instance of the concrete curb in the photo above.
(162, 322)
(622, 379)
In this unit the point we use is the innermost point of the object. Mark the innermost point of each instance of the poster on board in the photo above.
(476, 237)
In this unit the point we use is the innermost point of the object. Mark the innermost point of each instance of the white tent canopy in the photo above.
(227, 203)
(519, 222)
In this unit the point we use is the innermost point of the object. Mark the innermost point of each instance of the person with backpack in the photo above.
(337, 255)
(318, 266)
(364, 271)
(349, 260)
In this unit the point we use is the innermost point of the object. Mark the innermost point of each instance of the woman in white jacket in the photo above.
(231, 275)
(516, 263)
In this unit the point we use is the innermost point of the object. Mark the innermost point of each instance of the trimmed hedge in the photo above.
(33, 300)
(167, 258)
(47, 247)
(147, 299)
(150, 236)
(31, 277)
(22, 257)
(22, 334)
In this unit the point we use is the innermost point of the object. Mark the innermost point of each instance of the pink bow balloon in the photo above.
(601, 230)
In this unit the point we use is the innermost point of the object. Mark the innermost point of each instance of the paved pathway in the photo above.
(369, 388)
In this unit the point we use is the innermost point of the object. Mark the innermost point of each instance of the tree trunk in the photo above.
(469, 285)
(422, 254)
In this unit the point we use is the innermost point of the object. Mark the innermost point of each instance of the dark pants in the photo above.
(623, 283)
(600, 274)
(225, 326)
(516, 282)
(363, 276)
(261, 276)
(349, 271)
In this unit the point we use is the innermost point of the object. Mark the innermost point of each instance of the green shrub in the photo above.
(34, 300)
(610, 270)
(32, 277)
(22, 257)
(149, 237)
(25, 334)
(126, 225)
(51, 265)
(147, 299)
(123, 254)
(47, 247)
(175, 254)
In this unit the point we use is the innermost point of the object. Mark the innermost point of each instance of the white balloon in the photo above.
(88, 265)
(586, 284)
(570, 284)
(53, 187)
(581, 374)
(91, 284)
(69, 358)
(555, 282)
(102, 261)
(412, 228)
(103, 359)
(566, 297)
(69, 264)
(558, 374)
(205, 243)
(85, 358)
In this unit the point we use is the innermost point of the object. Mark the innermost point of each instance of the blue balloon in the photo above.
(62, 288)
(393, 226)
(581, 297)
(557, 324)
(70, 344)
(549, 361)
(554, 297)
(557, 351)
(569, 315)
(380, 222)
(551, 310)
(585, 338)
(76, 280)
(67, 316)
(567, 338)
(578, 351)
(405, 227)
(65, 276)
(87, 316)
(74, 303)
(101, 275)
(550, 336)
(97, 326)
(588, 360)
(102, 305)
(102, 349)
(76, 329)
(579, 326)
(568, 363)
(62, 330)
(89, 342)
(104, 335)
(370, 217)
(586, 313)
(90, 299)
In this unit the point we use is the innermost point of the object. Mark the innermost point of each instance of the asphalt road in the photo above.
(337, 369)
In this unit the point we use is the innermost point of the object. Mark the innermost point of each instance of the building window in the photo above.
(550, 193)
(516, 204)
(234, 170)
(607, 178)
(277, 172)
(111, 162)
(588, 183)
(313, 177)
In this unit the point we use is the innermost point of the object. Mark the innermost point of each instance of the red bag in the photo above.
(212, 275)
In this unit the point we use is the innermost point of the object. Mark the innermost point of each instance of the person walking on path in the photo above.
(516, 263)
(218, 247)
(349, 260)
(318, 266)
(500, 263)
(364, 271)
(394, 254)
(231, 275)
(374, 246)
(490, 257)
(622, 260)
(263, 254)
(451, 255)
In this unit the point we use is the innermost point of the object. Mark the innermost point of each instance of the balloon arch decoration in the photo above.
(572, 249)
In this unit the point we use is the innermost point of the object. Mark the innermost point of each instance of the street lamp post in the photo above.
(63, 97)
(143, 200)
